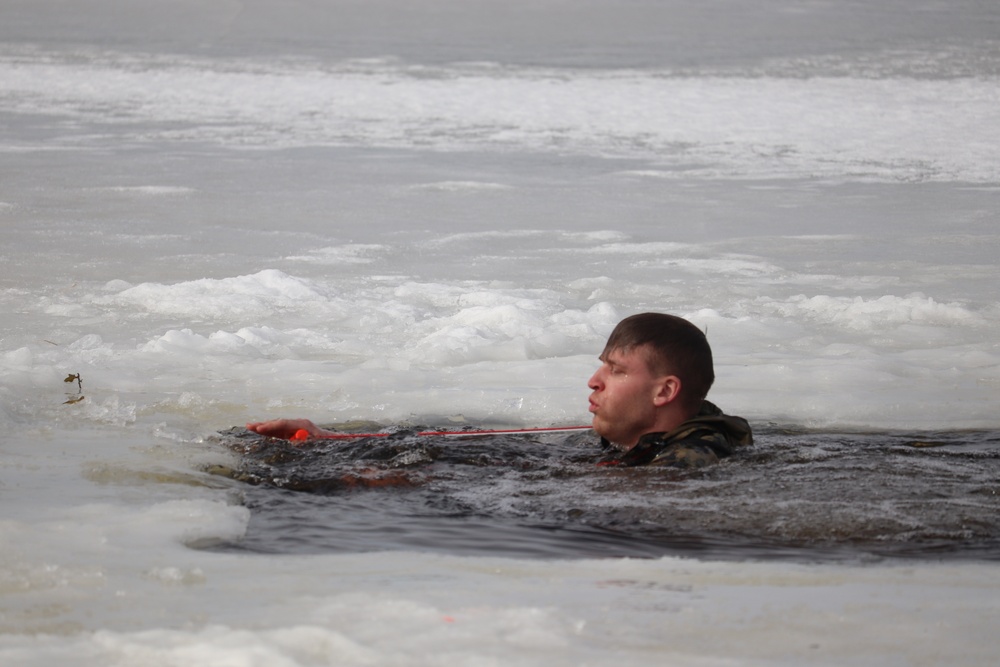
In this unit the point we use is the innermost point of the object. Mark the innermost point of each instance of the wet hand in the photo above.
(284, 428)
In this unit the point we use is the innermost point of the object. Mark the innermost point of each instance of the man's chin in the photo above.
(615, 437)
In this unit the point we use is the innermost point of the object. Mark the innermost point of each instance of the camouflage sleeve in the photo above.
(694, 452)
(685, 455)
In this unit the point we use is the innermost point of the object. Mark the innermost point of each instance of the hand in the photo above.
(285, 428)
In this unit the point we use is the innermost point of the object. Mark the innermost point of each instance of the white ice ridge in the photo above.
(251, 295)
(880, 129)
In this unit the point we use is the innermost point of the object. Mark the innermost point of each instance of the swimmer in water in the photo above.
(647, 399)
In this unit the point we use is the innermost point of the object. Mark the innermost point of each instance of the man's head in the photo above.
(656, 370)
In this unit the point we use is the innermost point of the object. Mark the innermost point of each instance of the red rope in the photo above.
(303, 434)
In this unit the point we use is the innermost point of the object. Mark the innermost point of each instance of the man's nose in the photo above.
(595, 381)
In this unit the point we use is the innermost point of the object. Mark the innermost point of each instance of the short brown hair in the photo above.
(675, 347)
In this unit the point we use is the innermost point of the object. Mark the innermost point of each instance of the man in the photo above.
(648, 398)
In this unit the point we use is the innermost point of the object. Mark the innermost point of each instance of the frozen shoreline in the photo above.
(435, 610)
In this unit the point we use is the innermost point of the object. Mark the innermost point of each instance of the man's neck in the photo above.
(667, 421)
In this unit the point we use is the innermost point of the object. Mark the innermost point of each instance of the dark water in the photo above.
(795, 494)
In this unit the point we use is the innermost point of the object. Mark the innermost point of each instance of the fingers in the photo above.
(282, 428)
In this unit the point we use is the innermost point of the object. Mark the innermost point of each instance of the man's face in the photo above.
(622, 399)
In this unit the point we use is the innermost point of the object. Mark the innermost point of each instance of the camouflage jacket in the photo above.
(700, 441)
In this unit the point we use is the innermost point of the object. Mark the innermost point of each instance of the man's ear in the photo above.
(668, 391)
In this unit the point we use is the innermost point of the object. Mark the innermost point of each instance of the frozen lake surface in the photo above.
(433, 213)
